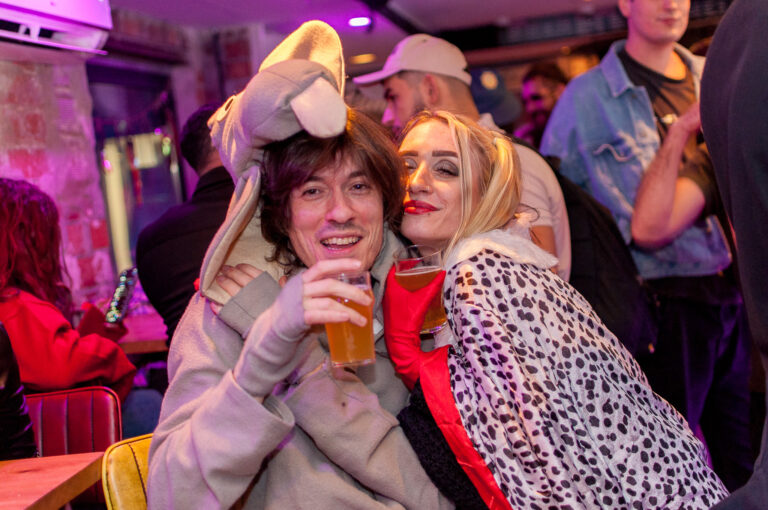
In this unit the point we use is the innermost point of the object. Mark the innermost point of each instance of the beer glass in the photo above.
(351, 344)
(415, 267)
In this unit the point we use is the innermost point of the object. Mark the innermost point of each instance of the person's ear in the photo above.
(431, 91)
(625, 7)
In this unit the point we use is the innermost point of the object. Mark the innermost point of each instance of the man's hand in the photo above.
(688, 123)
(309, 298)
(666, 204)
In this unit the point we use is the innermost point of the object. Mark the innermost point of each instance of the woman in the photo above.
(35, 303)
(538, 401)
(253, 412)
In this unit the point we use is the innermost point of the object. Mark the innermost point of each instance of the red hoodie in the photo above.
(53, 356)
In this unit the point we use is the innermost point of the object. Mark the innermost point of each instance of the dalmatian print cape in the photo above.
(558, 410)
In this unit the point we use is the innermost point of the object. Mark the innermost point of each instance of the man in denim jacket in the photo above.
(626, 131)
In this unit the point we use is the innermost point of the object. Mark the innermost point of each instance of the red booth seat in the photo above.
(76, 421)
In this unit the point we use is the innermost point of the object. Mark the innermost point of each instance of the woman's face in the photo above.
(433, 197)
(337, 213)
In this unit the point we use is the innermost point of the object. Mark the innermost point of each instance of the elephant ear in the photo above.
(299, 87)
(315, 41)
(307, 66)
(317, 110)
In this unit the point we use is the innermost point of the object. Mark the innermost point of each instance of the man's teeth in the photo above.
(340, 241)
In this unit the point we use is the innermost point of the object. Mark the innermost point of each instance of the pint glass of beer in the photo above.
(415, 267)
(350, 344)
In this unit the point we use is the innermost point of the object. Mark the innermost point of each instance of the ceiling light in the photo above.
(363, 58)
(361, 21)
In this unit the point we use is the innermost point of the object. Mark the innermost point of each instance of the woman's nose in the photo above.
(419, 180)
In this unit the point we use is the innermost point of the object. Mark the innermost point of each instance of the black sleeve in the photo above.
(435, 455)
(17, 439)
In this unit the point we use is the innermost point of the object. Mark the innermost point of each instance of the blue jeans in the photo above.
(141, 411)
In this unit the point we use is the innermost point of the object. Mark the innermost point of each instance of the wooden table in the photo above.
(47, 482)
(146, 333)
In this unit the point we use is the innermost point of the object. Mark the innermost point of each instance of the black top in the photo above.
(170, 250)
(734, 114)
(669, 99)
(17, 438)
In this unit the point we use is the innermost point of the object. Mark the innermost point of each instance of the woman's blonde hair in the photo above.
(492, 157)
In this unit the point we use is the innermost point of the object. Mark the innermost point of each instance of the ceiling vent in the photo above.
(73, 25)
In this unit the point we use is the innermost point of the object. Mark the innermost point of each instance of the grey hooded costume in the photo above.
(318, 440)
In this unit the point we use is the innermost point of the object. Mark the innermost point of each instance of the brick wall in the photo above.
(46, 132)
(46, 137)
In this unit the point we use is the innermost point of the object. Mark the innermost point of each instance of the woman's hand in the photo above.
(404, 313)
(232, 279)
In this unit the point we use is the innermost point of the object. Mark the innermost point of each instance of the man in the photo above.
(735, 119)
(542, 85)
(255, 417)
(626, 132)
(170, 251)
(425, 72)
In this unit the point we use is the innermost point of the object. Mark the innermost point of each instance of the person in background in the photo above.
(170, 250)
(734, 116)
(492, 96)
(36, 308)
(626, 131)
(552, 411)
(254, 414)
(541, 87)
(17, 438)
(425, 72)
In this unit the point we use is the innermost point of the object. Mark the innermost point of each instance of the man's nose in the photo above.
(388, 117)
(339, 208)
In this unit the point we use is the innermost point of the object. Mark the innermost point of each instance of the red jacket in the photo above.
(53, 356)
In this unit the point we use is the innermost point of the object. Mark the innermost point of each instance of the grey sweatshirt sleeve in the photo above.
(352, 429)
(242, 310)
(213, 435)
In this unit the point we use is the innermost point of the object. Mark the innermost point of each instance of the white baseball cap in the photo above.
(421, 52)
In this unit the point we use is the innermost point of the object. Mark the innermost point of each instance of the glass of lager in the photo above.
(416, 266)
(351, 344)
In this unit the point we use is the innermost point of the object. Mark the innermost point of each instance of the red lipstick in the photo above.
(418, 207)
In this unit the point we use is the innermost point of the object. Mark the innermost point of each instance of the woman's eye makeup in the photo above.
(410, 164)
(446, 168)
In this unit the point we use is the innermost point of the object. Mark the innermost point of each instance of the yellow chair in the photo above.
(124, 473)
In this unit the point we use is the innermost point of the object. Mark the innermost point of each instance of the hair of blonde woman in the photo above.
(492, 157)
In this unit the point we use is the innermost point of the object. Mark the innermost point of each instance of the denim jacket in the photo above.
(603, 130)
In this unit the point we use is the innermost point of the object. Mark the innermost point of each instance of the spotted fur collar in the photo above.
(514, 242)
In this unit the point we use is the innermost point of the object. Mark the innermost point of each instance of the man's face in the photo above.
(656, 22)
(539, 96)
(403, 101)
(337, 213)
